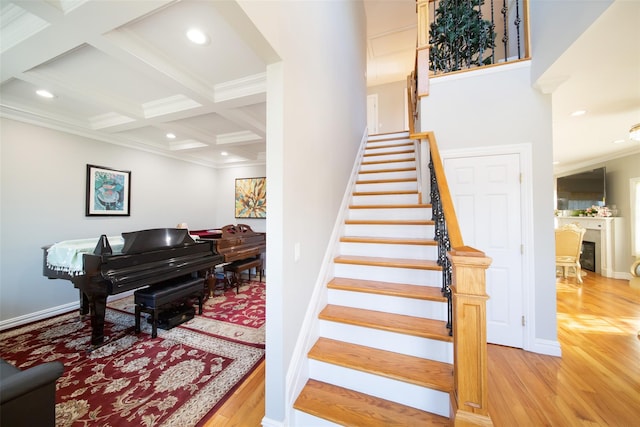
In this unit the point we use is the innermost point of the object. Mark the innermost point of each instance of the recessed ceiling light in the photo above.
(224, 153)
(171, 135)
(197, 36)
(45, 93)
(619, 141)
(578, 113)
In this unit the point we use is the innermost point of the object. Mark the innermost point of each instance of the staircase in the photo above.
(384, 356)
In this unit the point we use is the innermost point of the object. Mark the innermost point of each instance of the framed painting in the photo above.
(108, 192)
(251, 197)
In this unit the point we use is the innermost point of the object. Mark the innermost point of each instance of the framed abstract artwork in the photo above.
(251, 198)
(108, 192)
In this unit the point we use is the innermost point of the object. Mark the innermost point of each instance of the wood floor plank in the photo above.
(596, 382)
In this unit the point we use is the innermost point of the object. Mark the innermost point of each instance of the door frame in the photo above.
(524, 151)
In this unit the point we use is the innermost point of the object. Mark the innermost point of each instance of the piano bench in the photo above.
(237, 267)
(157, 297)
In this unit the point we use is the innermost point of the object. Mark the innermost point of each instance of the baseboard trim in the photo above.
(548, 347)
(51, 312)
(268, 422)
(38, 315)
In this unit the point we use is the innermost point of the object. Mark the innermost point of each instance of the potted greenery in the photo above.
(459, 37)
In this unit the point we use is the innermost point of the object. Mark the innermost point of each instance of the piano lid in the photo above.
(155, 239)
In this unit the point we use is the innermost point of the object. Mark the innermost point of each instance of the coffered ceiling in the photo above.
(125, 73)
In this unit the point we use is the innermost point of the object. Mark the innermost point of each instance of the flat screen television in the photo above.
(581, 190)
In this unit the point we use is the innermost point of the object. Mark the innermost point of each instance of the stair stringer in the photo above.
(298, 372)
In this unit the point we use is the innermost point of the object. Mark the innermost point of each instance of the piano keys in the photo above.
(146, 257)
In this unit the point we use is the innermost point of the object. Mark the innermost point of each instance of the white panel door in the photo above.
(486, 194)
(372, 114)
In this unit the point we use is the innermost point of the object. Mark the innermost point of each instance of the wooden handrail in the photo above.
(467, 293)
(455, 236)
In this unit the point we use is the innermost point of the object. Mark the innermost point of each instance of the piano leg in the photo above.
(85, 310)
(98, 307)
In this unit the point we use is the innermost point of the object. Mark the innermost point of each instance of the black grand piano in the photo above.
(147, 257)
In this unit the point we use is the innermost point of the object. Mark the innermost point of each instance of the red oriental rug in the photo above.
(177, 379)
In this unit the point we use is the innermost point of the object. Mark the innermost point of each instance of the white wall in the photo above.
(498, 107)
(391, 106)
(42, 197)
(316, 117)
(555, 25)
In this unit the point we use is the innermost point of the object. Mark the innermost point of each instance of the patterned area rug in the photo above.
(176, 379)
(238, 317)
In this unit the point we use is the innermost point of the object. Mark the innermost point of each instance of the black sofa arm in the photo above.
(15, 382)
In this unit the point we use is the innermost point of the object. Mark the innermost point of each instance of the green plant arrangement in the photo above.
(459, 37)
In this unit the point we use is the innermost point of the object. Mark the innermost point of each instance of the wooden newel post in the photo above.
(469, 402)
(422, 47)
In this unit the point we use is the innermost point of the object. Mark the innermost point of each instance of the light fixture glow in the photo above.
(634, 132)
(171, 135)
(45, 93)
(197, 36)
(224, 153)
(618, 141)
(578, 113)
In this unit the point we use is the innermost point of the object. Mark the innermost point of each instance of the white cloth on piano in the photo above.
(66, 256)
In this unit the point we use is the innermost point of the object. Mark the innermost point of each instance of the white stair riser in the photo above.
(388, 213)
(388, 138)
(388, 175)
(386, 199)
(387, 148)
(388, 157)
(303, 419)
(387, 250)
(389, 304)
(387, 186)
(425, 348)
(411, 163)
(386, 274)
(384, 388)
(392, 230)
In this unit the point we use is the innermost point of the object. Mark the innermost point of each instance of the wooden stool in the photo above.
(237, 267)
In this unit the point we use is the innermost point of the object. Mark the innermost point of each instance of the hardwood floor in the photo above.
(596, 382)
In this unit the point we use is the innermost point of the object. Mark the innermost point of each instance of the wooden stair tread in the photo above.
(428, 293)
(390, 221)
(353, 409)
(398, 206)
(386, 181)
(409, 325)
(410, 369)
(416, 264)
(389, 240)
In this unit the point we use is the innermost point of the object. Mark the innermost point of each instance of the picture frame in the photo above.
(251, 197)
(108, 192)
